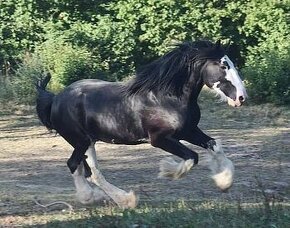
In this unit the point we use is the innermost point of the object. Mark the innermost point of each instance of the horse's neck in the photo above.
(192, 88)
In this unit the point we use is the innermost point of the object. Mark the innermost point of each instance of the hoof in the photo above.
(221, 167)
(173, 170)
(93, 196)
(224, 179)
(129, 200)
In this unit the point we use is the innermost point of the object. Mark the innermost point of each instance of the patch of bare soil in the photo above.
(33, 162)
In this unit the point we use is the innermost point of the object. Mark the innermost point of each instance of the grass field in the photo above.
(255, 138)
(177, 214)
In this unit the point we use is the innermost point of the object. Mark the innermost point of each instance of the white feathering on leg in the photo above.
(222, 168)
(122, 198)
(171, 169)
(84, 192)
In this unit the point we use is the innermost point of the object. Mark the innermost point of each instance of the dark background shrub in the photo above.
(76, 39)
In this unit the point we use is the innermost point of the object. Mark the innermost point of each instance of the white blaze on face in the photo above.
(232, 75)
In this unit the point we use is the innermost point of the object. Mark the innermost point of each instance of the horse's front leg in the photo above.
(222, 168)
(168, 167)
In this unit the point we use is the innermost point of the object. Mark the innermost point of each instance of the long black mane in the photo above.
(169, 73)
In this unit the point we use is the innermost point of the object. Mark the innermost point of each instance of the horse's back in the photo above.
(99, 108)
(89, 88)
(90, 84)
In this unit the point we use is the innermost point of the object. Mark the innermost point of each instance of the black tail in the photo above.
(44, 101)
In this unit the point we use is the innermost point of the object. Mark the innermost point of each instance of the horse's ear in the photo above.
(218, 44)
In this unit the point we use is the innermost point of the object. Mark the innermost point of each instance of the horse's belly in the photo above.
(124, 141)
(109, 128)
(128, 138)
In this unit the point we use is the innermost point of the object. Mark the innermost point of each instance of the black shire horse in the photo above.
(158, 106)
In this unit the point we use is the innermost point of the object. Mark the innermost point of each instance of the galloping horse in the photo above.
(158, 106)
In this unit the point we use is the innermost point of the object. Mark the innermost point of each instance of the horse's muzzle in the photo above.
(238, 102)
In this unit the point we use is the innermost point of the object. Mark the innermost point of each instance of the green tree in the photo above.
(116, 37)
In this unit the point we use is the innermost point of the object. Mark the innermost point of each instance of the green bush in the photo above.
(21, 28)
(66, 63)
(268, 76)
(24, 79)
(6, 91)
(267, 63)
(110, 39)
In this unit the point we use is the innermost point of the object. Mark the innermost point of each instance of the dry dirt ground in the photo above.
(256, 139)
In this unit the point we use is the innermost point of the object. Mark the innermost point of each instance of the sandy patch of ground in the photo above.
(33, 163)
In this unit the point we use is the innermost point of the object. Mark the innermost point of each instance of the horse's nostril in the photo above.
(241, 99)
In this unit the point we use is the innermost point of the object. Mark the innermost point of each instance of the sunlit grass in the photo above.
(177, 214)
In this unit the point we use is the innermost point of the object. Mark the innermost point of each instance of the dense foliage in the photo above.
(76, 39)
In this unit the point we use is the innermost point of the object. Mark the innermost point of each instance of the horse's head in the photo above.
(220, 74)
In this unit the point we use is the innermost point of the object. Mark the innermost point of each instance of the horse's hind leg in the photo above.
(120, 197)
(85, 193)
(79, 168)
